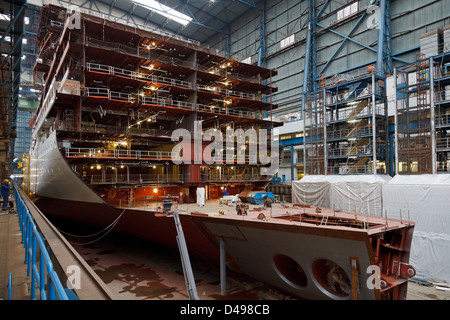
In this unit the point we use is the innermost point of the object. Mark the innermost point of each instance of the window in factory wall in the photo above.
(287, 41)
(348, 11)
(247, 60)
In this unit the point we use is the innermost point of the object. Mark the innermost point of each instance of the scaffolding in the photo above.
(315, 131)
(423, 114)
(348, 133)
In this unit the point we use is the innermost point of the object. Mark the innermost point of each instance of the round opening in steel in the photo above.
(331, 277)
(290, 271)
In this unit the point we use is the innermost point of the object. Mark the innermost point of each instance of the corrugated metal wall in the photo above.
(410, 19)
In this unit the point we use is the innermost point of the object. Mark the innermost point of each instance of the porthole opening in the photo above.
(331, 277)
(290, 271)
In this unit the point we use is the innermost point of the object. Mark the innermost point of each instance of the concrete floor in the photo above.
(421, 292)
(12, 258)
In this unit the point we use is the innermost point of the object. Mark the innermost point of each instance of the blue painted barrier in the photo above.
(42, 273)
(9, 286)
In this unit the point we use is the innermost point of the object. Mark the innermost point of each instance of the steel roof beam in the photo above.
(187, 7)
(251, 4)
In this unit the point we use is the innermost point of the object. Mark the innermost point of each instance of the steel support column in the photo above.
(310, 67)
(432, 117)
(384, 49)
(374, 131)
(262, 39)
(291, 147)
(396, 122)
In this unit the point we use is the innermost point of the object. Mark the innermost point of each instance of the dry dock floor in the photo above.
(135, 270)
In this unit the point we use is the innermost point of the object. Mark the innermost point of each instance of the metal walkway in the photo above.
(12, 256)
(59, 257)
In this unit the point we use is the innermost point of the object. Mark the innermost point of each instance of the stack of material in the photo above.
(446, 32)
(429, 43)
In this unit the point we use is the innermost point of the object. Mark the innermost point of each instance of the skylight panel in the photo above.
(165, 11)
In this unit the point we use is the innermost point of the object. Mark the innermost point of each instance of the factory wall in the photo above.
(410, 19)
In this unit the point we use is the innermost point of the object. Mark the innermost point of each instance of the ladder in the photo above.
(185, 261)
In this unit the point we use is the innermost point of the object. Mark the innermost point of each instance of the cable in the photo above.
(110, 227)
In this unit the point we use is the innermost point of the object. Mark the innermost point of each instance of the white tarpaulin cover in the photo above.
(345, 192)
(201, 199)
(427, 198)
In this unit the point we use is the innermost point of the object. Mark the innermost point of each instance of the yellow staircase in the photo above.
(360, 124)
(360, 143)
(355, 112)
(358, 163)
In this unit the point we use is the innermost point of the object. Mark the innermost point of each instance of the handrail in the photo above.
(42, 273)
(120, 153)
(226, 92)
(153, 56)
(199, 107)
(136, 75)
(9, 286)
(128, 97)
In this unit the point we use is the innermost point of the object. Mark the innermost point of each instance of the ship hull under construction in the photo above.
(115, 102)
(293, 250)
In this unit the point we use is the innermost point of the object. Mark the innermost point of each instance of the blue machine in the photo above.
(275, 180)
(258, 197)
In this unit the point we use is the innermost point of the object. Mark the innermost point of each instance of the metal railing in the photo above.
(443, 96)
(137, 178)
(443, 143)
(200, 107)
(227, 92)
(349, 132)
(120, 153)
(139, 52)
(351, 169)
(37, 258)
(230, 177)
(106, 93)
(137, 75)
(344, 114)
(128, 97)
(153, 56)
(100, 128)
(116, 178)
(443, 120)
(350, 151)
(443, 166)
